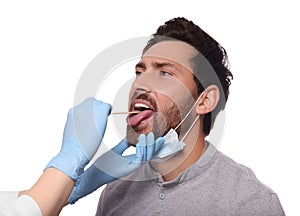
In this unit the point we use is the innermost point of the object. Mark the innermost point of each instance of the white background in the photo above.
(45, 46)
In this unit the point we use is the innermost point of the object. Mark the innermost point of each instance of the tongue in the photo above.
(134, 120)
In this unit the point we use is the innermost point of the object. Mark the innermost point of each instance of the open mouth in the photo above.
(141, 107)
(145, 112)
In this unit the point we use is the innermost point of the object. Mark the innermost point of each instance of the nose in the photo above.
(143, 84)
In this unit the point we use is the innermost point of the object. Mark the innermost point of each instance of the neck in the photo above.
(195, 146)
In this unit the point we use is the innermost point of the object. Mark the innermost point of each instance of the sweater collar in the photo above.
(198, 168)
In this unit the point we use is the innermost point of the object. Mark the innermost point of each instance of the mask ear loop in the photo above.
(194, 122)
(180, 123)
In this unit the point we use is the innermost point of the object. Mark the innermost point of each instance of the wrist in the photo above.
(71, 164)
(51, 191)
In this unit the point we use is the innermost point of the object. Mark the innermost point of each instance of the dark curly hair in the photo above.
(212, 59)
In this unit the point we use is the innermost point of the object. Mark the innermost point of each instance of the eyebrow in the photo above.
(155, 65)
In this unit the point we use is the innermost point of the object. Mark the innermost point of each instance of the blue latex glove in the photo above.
(112, 165)
(83, 133)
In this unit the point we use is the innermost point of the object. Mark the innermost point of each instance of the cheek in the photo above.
(177, 98)
(130, 96)
(190, 84)
(183, 88)
(169, 109)
(164, 102)
(193, 88)
(175, 108)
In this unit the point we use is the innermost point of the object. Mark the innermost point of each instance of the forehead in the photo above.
(176, 51)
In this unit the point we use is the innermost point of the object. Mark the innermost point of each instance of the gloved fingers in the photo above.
(147, 147)
(160, 141)
(86, 103)
(103, 108)
(121, 147)
(141, 153)
(89, 122)
(150, 147)
(101, 112)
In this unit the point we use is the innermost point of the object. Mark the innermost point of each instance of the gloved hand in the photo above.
(112, 165)
(83, 133)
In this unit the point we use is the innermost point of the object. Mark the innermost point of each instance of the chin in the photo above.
(133, 134)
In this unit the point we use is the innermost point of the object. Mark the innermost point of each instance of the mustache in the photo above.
(146, 97)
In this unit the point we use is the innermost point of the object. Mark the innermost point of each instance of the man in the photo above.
(182, 82)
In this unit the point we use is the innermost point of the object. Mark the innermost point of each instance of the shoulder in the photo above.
(236, 171)
(222, 168)
(248, 195)
(241, 178)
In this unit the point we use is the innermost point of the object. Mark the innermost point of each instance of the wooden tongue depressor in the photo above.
(131, 112)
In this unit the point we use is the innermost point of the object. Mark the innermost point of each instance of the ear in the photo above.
(209, 100)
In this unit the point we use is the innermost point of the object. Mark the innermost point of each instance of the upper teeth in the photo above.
(140, 105)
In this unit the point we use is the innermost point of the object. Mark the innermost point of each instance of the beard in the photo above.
(169, 116)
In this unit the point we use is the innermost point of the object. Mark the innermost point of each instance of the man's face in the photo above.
(164, 91)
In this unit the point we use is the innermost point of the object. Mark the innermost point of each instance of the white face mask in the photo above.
(172, 142)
